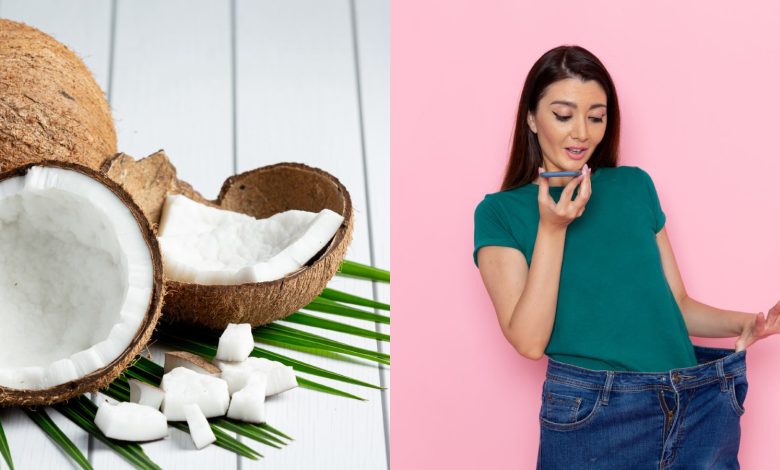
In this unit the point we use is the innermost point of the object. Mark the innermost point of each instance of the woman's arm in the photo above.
(700, 319)
(525, 299)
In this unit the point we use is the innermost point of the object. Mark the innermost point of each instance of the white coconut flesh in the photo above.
(280, 377)
(200, 430)
(145, 394)
(248, 404)
(183, 386)
(235, 343)
(131, 422)
(76, 277)
(205, 245)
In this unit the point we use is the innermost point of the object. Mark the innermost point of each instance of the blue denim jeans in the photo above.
(686, 418)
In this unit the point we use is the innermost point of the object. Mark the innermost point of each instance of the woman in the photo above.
(580, 269)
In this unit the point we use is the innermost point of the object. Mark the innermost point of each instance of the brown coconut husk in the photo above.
(260, 193)
(50, 105)
(149, 180)
(193, 361)
(102, 377)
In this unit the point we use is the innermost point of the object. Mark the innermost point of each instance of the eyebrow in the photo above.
(574, 105)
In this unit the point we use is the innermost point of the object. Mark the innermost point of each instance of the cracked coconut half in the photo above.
(80, 282)
(267, 246)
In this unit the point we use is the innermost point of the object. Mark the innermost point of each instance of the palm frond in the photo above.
(318, 322)
(339, 296)
(363, 271)
(4, 449)
(44, 421)
(333, 307)
(82, 412)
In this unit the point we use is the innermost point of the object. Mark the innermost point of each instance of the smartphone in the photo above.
(552, 174)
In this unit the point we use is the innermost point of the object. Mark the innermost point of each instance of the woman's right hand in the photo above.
(563, 213)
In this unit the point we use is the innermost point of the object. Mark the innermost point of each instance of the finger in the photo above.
(758, 330)
(775, 310)
(569, 190)
(585, 189)
(773, 317)
(544, 190)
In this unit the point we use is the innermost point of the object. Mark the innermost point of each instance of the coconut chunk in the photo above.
(131, 422)
(248, 404)
(76, 277)
(200, 430)
(280, 377)
(182, 386)
(145, 394)
(174, 359)
(235, 343)
(206, 245)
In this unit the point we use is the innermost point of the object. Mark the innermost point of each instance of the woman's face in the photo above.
(570, 114)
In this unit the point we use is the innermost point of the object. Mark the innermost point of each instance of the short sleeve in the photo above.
(655, 203)
(490, 229)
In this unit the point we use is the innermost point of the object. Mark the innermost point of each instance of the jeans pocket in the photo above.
(738, 388)
(566, 406)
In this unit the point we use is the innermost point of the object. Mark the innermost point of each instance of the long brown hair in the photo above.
(563, 62)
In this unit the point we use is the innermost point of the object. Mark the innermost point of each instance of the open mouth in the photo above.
(575, 153)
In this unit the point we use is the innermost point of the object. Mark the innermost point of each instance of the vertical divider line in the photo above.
(110, 78)
(111, 50)
(234, 80)
(234, 114)
(371, 244)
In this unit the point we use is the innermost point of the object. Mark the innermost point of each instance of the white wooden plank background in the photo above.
(227, 86)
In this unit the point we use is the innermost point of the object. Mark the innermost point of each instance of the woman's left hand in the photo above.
(759, 328)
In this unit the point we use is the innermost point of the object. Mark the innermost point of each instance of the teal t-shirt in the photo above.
(615, 310)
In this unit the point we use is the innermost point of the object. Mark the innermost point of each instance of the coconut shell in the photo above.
(149, 180)
(260, 193)
(102, 377)
(51, 107)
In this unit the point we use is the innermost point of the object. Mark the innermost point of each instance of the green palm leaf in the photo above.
(82, 412)
(363, 271)
(331, 306)
(4, 449)
(318, 322)
(44, 421)
(337, 295)
(278, 335)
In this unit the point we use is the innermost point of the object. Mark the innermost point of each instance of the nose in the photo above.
(579, 129)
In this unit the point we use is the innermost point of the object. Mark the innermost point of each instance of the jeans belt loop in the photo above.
(724, 385)
(607, 387)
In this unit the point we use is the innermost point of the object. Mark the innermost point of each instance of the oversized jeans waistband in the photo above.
(714, 363)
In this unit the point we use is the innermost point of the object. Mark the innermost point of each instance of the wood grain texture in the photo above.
(372, 39)
(310, 87)
(298, 100)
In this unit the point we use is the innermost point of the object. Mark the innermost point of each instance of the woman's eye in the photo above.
(566, 118)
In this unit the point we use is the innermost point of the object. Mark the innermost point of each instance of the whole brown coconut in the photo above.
(101, 377)
(50, 105)
(260, 193)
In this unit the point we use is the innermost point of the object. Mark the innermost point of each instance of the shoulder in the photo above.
(630, 174)
(500, 200)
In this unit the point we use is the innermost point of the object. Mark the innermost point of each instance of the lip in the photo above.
(575, 156)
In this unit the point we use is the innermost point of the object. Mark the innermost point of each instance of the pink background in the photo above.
(700, 97)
